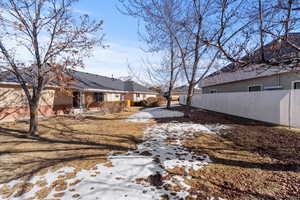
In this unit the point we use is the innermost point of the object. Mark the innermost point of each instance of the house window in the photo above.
(213, 91)
(255, 88)
(138, 95)
(117, 95)
(98, 97)
(296, 85)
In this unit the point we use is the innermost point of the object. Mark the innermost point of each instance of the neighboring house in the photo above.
(182, 90)
(87, 92)
(258, 77)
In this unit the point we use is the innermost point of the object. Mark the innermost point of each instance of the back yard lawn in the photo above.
(201, 155)
(250, 160)
(62, 141)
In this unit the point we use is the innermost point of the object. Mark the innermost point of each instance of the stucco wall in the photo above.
(285, 80)
(14, 96)
(150, 95)
(13, 103)
(113, 97)
(63, 98)
(278, 107)
(142, 96)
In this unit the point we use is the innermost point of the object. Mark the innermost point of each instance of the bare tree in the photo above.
(158, 17)
(247, 26)
(167, 73)
(197, 56)
(54, 37)
(187, 26)
(162, 76)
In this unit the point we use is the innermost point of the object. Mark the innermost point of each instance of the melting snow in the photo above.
(164, 149)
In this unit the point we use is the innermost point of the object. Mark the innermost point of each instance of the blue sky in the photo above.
(121, 36)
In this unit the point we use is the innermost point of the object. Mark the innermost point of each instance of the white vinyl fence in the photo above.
(277, 107)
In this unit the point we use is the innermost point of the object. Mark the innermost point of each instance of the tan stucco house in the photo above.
(87, 92)
(180, 91)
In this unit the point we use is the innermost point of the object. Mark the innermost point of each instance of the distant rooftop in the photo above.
(234, 72)
(84, 80)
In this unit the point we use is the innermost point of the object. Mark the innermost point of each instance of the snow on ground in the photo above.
(161, 150)
(145, 115)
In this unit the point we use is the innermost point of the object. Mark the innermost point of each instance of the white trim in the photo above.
(293, 84)
(251, 72)
(255, 85)
(99, 90)
(273, 87)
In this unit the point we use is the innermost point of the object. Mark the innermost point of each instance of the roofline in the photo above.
(8, 83)
(254, 51)
(229, 82)
(84, 89)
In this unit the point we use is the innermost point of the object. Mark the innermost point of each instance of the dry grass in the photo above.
(62, 141)
(251, 160)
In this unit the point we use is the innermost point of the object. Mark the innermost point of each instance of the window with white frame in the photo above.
(255, 88)
(213, 91)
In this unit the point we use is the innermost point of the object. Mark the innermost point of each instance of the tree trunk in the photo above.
(33, 129)
(169, 97)
(190, 94)
(169, 101)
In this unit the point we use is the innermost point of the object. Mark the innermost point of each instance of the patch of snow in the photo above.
(163, 144)
(164, 141)
(217, 127)
(216, 198)
(145, 115)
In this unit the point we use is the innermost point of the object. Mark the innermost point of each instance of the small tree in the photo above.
(158, 17)
(54, 37)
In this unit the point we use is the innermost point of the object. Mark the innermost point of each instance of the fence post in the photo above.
(290, 108)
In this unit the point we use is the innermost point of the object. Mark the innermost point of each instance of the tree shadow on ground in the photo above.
(24, 155)
(249, 135)
(68, 144)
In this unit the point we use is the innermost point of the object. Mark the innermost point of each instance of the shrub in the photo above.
(151, 102)
(142, 103)
(107, 107)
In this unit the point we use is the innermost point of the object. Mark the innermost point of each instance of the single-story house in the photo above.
(87, 92)
(258, 77)
(181, 91)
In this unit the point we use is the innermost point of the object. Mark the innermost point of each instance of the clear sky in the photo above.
(121, 35)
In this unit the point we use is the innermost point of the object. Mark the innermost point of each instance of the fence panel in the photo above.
(278, 107)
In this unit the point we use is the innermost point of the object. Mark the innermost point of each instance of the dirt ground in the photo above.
(251, 160)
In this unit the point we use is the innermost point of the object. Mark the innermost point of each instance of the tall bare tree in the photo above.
(54, 38)
(197, 57)
(158, 18)
(186, 24)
